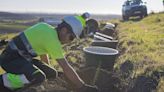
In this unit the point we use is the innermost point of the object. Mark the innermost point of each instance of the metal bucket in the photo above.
(102, 57)
(109, 44)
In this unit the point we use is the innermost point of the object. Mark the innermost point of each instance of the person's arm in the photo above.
(45, 58)
(70, 73)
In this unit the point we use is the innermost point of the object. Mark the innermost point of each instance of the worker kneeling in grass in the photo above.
(39, 40)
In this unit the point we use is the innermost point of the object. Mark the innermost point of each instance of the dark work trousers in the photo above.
(13, 63)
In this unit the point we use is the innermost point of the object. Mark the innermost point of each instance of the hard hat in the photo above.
(75, 24)
(86, 15)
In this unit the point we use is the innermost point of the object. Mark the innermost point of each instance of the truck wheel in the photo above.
(141, 16)
(145, 15)
(125, 18)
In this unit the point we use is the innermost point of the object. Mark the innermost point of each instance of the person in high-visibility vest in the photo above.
(86, 15)
(40, 40)
(83, 18)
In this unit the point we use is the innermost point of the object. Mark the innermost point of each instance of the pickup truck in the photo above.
(133, 8)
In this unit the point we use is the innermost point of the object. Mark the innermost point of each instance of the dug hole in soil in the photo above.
(107, 81)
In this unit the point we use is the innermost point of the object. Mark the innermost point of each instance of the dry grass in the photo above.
(142, 43)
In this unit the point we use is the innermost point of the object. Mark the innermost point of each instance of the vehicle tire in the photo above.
(146, 14)
(125, 18)
(141, 16)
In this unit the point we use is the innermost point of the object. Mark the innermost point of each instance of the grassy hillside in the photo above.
(141, 59)
(12, 27)
(15, 25)
(142, 45)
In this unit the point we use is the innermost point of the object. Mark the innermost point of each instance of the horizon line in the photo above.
(45, 12)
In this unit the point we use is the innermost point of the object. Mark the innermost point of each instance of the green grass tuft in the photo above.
(142, 43)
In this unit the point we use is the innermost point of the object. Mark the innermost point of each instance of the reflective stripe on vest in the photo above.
(21, 52)
(27, 45)
(13, 81)
(20, 41)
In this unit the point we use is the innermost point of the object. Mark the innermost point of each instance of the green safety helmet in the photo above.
(75, 24)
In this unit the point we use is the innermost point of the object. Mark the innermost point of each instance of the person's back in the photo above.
(43, 38)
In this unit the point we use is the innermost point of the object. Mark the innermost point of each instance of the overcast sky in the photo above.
(72, 6)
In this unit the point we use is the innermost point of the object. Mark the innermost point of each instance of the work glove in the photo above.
(88, 88)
